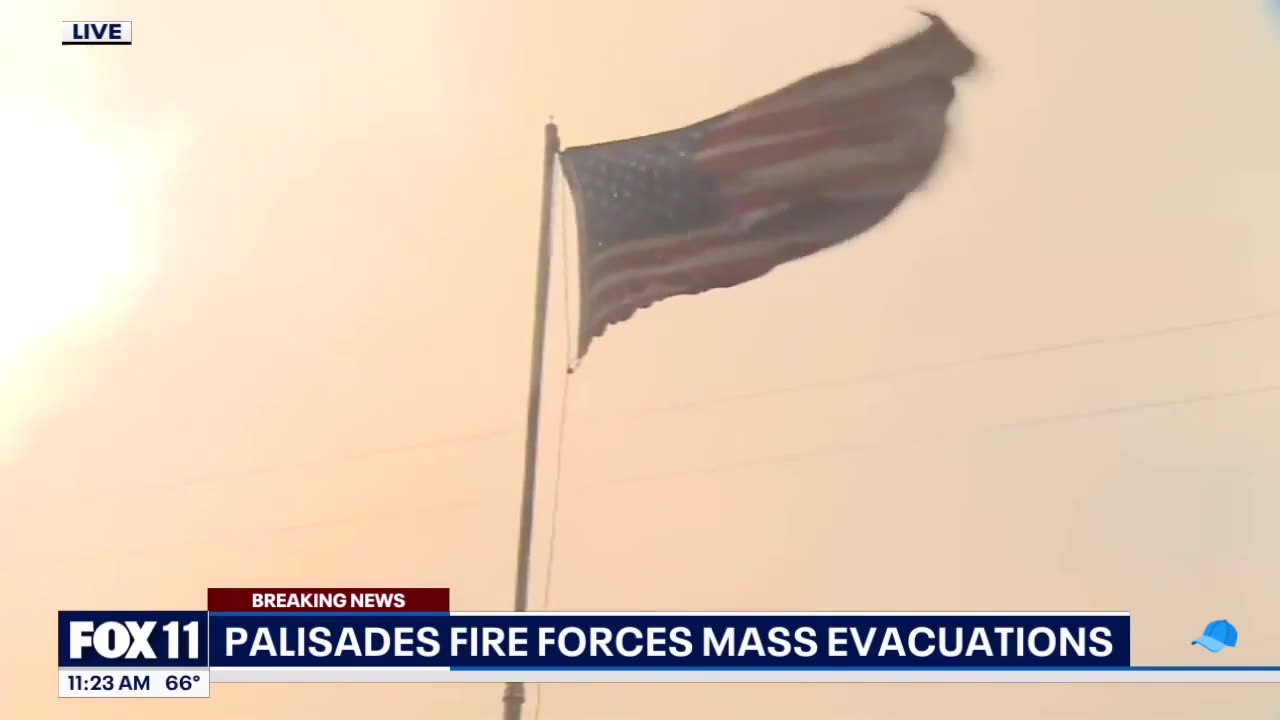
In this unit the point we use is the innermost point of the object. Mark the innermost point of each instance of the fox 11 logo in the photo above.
(97, 33)
(132, 639)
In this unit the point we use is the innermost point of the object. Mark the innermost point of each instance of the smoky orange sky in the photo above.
(266, 281)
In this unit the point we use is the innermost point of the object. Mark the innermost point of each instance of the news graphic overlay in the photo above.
(99, 32)
(412, 636)
(375, 635)
(136, 654)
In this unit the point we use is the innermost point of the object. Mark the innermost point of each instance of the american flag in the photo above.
(726, 200)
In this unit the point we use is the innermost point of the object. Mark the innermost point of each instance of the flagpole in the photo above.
(513, 698)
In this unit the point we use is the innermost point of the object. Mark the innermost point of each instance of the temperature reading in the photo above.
(181, 683)
(166, 683)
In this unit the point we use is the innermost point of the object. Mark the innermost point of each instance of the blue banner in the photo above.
(668, 641)
(133, 639)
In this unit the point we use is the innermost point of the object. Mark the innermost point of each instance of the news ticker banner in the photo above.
(410, 635)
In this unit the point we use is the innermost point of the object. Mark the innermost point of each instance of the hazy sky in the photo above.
(265, 298)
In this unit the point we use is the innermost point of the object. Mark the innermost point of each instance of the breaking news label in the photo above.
(273, 635)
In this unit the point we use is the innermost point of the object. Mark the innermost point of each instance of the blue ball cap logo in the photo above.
(1217, 635)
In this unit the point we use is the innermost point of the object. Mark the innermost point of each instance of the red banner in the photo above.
(367, 600)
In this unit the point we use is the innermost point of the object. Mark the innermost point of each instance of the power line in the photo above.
(867, 378)
(378, 517)
(842, 448)
(924, 368)
(778, 459)
(346, 458)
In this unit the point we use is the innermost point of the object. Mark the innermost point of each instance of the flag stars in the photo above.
(641, 188)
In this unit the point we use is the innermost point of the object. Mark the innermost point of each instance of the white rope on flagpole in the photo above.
(559, 235)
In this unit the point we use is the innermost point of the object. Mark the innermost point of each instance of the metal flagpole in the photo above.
(513, 698)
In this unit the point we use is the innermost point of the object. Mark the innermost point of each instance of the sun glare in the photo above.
(66, 230)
